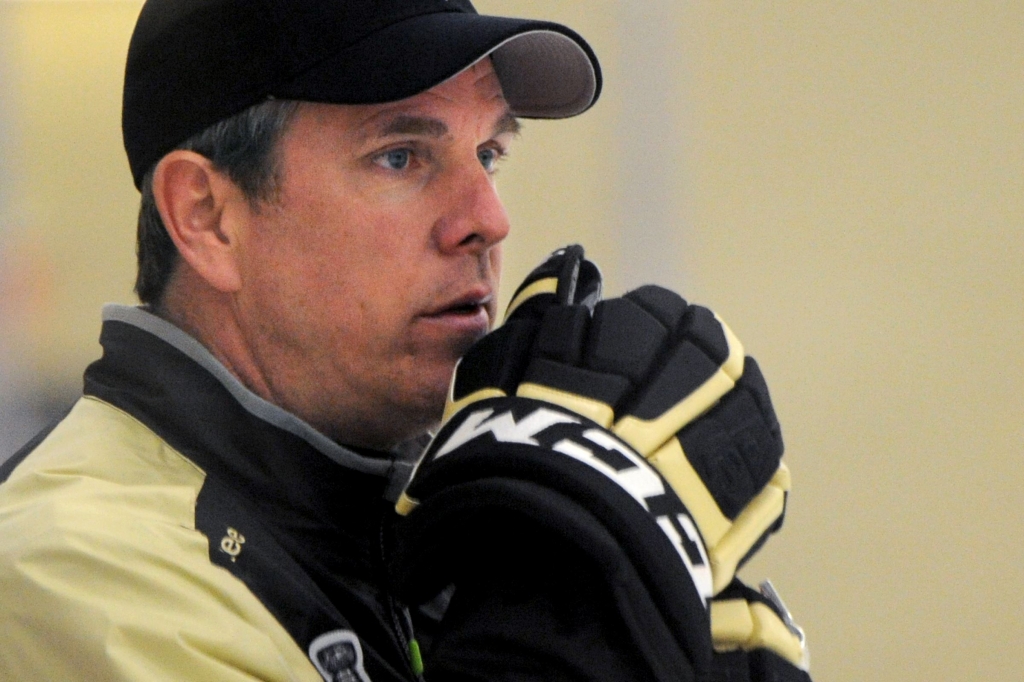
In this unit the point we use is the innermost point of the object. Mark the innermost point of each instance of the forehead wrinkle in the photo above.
(485, 71)
(488, 79)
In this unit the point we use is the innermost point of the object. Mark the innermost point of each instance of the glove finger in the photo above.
(565, 283)
(562, 334)
(616, 349)
(736, 447)
(665, 305)
(702, 365)
(706, 331)
(539, 289)
(697, 323)
(493, 366)
(591, 394)
(564, 278)
(753, 381)
(587, 291)
(730, 541)
(554, 374)
(624, 339)
(686, 387)
(726, 468)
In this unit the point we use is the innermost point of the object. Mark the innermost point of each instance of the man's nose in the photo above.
(473, 217)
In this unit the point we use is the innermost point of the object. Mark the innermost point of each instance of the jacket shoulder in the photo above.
(103, 574)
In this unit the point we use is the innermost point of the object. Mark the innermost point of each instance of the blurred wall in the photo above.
(857, 204)
(67, 204)
(843, 183)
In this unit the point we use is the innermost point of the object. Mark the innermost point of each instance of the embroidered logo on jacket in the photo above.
(231, 544)
(338, 657)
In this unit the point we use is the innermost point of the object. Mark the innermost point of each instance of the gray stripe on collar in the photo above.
(268, 412)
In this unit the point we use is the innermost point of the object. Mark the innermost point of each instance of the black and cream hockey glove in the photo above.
(636, 428)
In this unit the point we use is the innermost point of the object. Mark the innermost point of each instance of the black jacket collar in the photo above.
(310, 486)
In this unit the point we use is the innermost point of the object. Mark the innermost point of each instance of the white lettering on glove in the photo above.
(504, 427)
(631, 473)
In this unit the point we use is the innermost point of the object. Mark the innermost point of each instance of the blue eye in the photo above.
(488, 159)
(396, 159)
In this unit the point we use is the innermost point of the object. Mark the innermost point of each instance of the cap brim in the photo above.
(546, 69)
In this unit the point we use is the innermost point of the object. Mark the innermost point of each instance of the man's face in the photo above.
(376, 266)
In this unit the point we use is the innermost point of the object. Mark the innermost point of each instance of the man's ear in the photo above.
(192, 196)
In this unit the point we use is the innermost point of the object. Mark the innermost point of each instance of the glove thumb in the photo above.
(566, 277)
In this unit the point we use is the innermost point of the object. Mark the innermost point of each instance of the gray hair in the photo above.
(244, 147)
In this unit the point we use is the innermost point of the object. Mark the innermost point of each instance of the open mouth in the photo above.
(469, 314)
(468, 305)
(463, 309)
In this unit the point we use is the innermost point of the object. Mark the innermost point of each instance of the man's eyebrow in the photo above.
(508, 123)
(413, 125)
(432, 127)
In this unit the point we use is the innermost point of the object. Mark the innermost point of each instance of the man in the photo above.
(319, 245)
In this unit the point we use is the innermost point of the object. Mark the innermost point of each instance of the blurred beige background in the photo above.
(842, 182)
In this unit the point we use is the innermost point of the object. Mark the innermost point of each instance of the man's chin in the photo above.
(460, 345)
(421, 409)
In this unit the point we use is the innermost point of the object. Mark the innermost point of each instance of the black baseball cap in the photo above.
(192, 63)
